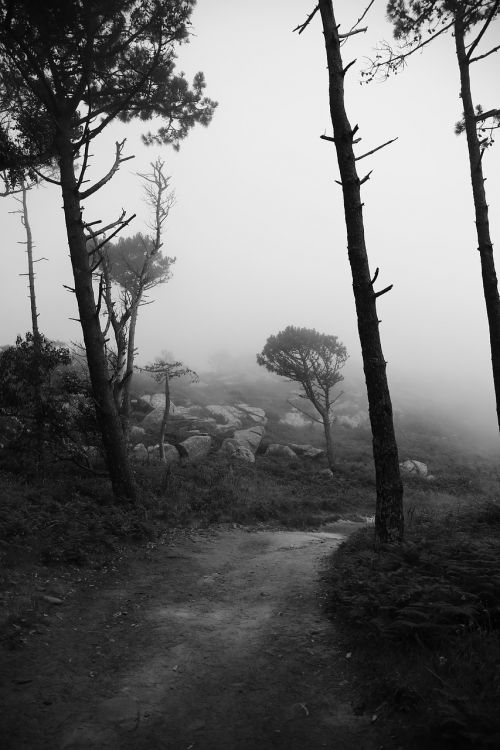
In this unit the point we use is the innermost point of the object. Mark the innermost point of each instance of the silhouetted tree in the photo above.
(67, 69)
(313, 360)
(389, 520)
(135, 265)
(417, 24)
(164, 372)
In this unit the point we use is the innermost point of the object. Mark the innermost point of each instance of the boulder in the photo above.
(353, 421)
(230, 415)
(307, 451)
(250, 438)
(281, 451)
(295, 418)
(196, 446)
(172, 455)
(140, 452)
(414, 468)
(254, 413)
(232, 449)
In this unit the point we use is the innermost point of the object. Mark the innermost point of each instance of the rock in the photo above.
(307, 451)
(232, 449)
(153, 420)
(415, 468)
(356, 420)
(136, 434)
(281, 451)
(295, 418)
(250, 438)
(230, 415)
(196, 446)
(140, 452)
(326, 473)
(172, 455)
(256, 415)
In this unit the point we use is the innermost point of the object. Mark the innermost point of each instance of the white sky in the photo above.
(258, 228)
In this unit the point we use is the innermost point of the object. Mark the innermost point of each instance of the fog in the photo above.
(258, 227)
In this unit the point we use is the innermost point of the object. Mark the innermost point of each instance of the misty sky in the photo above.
(258, 227)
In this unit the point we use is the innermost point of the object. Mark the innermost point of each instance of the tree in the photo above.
(135, 265)
(313, 360)
(389, 521)
(164, 372)
(14, 188)
(68, 69)
(417, 24)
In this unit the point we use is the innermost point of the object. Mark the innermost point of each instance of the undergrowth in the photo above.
(425, 618)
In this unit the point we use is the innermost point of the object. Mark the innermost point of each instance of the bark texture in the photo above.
(389, 521)
(107, 413)
(485, 246)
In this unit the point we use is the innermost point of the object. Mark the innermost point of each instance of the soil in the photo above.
(212, 640)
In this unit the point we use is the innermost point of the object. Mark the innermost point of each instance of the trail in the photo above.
(215, 641)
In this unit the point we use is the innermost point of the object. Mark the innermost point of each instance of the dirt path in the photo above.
(216, 641)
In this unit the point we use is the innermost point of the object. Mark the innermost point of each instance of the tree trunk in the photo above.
(389, 521)
(109, 421)
(164, 421)
(328, 439)
(485, 246)
(37, 343)
(129, 372)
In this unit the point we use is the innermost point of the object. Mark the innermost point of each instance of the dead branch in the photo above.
(486, 54)
(344, 71)
(375, 276)
(366, 178)
(119, 159)
(327, 138)
(368, 153)
(302, 26)
(351, 33)
(487, 22)
(360, 19)
(384, 291)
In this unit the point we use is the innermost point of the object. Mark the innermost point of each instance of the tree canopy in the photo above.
(83, 63)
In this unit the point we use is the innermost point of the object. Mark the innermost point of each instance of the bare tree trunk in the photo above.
(389, 520)
(328, 439)
(129, 372)
(37, 348)
(164, 421)
(485, 246)
(107, 414)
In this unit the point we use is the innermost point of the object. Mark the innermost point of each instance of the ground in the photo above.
(212, 640)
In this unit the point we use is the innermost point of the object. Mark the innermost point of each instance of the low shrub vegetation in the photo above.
(423, 621)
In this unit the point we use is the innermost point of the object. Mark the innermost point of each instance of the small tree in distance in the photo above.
(313, 360)
(163, 372)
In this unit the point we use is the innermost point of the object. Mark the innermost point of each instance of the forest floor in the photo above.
(204, 640)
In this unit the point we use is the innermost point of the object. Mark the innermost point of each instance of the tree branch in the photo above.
(489, 19)
(302, 26)
(351, 33)
(119, 145)
(486, 54)
(368, 153)
(383, 291)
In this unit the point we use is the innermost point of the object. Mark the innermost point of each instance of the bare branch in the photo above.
(489, 19)
(360, 19)
(486, 54)
(368, 153)
(351, 33)
(327, 138)
(489, 113)
(119, 159)
(365, 178)
(375, 276)
(348, 66)
(384, 291)
(301, 27)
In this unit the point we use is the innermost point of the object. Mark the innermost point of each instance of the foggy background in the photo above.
(258, 227)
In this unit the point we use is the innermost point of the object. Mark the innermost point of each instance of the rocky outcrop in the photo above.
(280, 451)
(250, 438)
(195, 447)
(232, 449)
(229, 415)
(414, 468)
(254, 413)
(307, 451)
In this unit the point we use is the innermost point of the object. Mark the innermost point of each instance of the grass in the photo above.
(423, 621)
